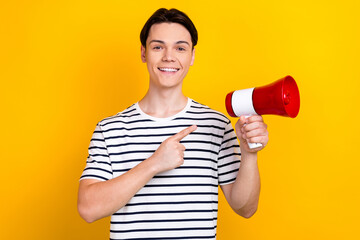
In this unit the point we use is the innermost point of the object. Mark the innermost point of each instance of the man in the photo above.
(156, 166)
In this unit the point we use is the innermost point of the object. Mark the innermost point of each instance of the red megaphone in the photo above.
(279, 98)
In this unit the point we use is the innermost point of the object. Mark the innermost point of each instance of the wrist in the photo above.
(150, 164)
(248, 156)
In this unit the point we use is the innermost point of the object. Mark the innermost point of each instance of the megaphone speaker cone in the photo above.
(291, 97)
(279, 98)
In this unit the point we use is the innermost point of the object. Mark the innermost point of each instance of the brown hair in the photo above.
(169, 16)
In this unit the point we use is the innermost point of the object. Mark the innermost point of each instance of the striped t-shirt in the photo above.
(178, 204)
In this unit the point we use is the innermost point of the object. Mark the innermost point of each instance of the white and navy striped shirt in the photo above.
(178, 204)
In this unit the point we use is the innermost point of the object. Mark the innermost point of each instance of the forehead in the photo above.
(169, 33)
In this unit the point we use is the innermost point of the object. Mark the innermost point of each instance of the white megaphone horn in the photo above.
(281, 98)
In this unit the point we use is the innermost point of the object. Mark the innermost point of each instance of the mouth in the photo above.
(168, 69)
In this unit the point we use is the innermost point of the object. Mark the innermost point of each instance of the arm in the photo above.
(98, 199)
(243, 194)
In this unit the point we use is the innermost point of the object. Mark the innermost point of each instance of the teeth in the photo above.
(169, 69)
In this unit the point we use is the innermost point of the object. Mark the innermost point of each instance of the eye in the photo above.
(181, 49)
(157, 48)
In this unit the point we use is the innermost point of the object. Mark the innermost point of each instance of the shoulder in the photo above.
(197, 108)
(127, 115)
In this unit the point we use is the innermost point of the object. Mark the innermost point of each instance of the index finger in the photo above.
(183, 133)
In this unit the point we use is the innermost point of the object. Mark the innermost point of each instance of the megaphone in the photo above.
(281, 98)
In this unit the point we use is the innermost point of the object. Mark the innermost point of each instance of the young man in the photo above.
(156, 166)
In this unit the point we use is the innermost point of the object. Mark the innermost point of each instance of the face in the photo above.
(168, 54)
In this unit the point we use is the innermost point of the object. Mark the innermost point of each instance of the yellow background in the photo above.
(65, 65)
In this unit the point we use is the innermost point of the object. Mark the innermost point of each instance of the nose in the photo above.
(168, 56)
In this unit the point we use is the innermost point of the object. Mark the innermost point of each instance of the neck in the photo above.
(164, 103)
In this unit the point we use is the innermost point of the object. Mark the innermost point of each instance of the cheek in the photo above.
(152, 57)
(186, 61)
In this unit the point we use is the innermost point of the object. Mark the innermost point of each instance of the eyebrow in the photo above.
(179, 42)
(162, 42)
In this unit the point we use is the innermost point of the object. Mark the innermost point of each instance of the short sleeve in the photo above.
(229, 156)
(98, 165)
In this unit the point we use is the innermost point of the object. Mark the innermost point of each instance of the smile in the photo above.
(169, 69)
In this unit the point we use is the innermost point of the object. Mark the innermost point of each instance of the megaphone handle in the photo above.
(253, 145)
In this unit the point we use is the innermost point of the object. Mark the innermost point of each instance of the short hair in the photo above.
(169, 16)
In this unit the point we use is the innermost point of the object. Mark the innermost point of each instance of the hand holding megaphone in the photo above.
(278, 98)
(252, 131)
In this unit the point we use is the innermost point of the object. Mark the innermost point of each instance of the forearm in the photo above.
(101, 199)
(245, 191)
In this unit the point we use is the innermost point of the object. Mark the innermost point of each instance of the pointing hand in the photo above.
(170, 153)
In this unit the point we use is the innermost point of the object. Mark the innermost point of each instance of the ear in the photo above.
(143, 50)
(192, 57)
